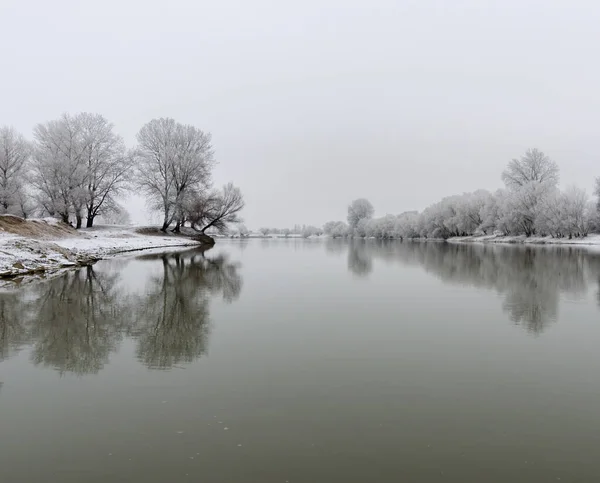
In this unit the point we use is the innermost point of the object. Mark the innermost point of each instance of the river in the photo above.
(306, 361)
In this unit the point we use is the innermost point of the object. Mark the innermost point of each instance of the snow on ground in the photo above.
(590, 240)
(22, 255)
(102, 241)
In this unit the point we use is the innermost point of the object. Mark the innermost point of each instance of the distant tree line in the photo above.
(305, 231)
(77, 167)
(530, 204)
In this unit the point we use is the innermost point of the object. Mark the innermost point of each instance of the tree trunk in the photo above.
(78, 218)
(64, 217)
(165, 225)
(90, 221)
(205, 239)
(177, 227)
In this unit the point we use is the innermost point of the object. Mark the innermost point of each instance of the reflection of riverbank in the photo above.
(74, 322)
(530, 279)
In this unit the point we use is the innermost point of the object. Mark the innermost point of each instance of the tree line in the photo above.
(305, 231)
(530, 204)
(76, 167)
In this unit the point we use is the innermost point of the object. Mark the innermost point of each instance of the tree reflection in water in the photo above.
(171, 321)
(360, 262)
(13, 329)
(76, 320)
(530, 279)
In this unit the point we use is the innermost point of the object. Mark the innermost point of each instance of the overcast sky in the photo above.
(313, 103)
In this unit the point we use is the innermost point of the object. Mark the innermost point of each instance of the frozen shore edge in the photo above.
(24, 257)
(591, 240)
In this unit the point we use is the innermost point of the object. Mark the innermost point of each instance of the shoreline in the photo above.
(591, 240)
(24, 256)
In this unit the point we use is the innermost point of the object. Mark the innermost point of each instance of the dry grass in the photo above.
(154, 230)
(186, 232)
(150, 230)
(35, 228)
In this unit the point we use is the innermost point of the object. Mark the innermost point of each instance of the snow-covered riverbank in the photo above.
(42, 246)
(590, 240)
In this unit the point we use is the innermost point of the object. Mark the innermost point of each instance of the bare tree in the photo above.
(15, 153)
(107, 165)
(265, 231)
(533, 166)
(216, 210)
(173, 160)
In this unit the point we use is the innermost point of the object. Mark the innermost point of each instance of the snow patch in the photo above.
(20, 255)
(590, 240)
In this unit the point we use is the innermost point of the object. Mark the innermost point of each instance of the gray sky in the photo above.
(314, 103)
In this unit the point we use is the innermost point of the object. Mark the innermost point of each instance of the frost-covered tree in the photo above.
(172, 161)
(335, 229)
(24, 202)
(242, 230)
(471, 210)
(264, 231)
(506, 214)
(340, 230)
(534, 166)
(530, 204)
(79, 166)
(15, 154)
(526, 204)
(569, 213)
(489, 213)
(216, 210)
(433, 222)
(117, 215)
(308, 231)
(406, 225)
(529, 180)
(59, 167)
(459, 215)
(329, 227)
(360, 209)
(360, 229)
(382, 228)
(107, 165)
(597, 194)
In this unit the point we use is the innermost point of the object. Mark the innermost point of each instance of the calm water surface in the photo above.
(306, 361)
